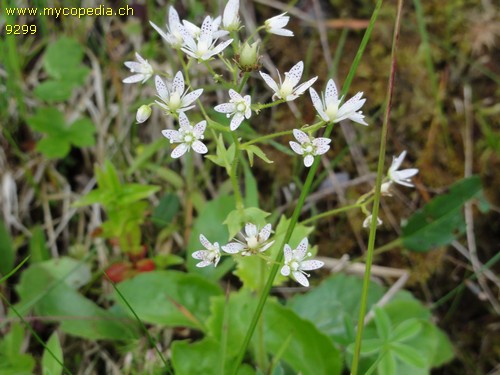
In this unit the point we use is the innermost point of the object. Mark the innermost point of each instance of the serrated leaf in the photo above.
(406, 330)
(50, 365)
(53, 147)
(407, 354)
(383, 323)
(62, 57)
(54, 90)
(81, 133)
(259, 153)
(387, 365)
(237, 219)
(439, 221)
(170, 298)
(47, 120)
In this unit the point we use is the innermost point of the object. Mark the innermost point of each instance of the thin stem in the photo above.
(257, 107)
(184, 67)
(266, 137)
(376, 203)
(302, 198)
(333, 212)
(234, 174)
(243, 81)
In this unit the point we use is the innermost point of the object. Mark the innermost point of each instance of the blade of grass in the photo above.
(302, 198)
(152, 341)
(376, 202)
(14, 270)
(35, 335)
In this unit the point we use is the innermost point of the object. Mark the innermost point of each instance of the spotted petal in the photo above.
(270, 82)
(300, 136)
(295, 74)
(179, 151)
(265, 233)
(199, 147)
(296, 148)
(233, 248)
(300, 278)
(301, 250)
(162, 89)
(309, 265)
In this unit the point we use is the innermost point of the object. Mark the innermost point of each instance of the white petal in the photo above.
(300, 136)
(296, 148)
(396, 162)
(250, 230)
(303, 87)
(162, 89)
(173, 17)
(331, 91)
(308, 160)
(320, 150)
(301, 250)
(217, 49)
(233, 248)
(205, 263)
(300, 278)
(199, 147)
(183, 120)
(266, 246)
(309, 265)
(282, 32)
(315, 98)
(295, 74)
(179, 151)
(230, 12)
(235, 96)
(206, 244)
(133, 79)
(285, 270)
(206, 29)
(200, 254)
(178, 83)
(160, 31)
(172, 135)
(225, 108)
(287, 250)
(199, 128)
(134, 67)
(236, 121)
(265, 233)
(321, 141)
(270, 82)
(191, 97)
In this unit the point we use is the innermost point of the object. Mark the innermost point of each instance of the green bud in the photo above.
(143, 113)
(249, 56)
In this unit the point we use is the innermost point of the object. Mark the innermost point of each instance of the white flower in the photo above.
(204, 47)
(276, 24)
(404, 176)
(287, 89)
(309, 147)
(143, 113)
(296, 265)
(143, 70)
(230, 19)
(238, 107)
(368, 220)
(255, 241)
(174, 29)
(195, 31)
(328, 106)
(209, 256)
(174, 99)
(188, 136)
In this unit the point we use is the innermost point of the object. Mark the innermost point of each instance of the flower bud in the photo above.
(143, 113)
(249, 56)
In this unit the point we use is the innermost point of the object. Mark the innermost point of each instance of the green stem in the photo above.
(257, 107)
(302, 198)
(376, 203)
(184, 67)
(243, 81)
(234, 174)
(266, 137)
(333, 212)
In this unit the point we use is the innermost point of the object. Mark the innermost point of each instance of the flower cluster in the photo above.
(254, 241)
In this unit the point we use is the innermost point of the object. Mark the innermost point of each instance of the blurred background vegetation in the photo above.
(64, 109)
